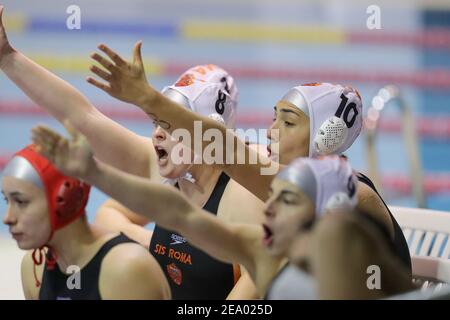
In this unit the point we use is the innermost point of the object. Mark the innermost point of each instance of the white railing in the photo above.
(391, 94)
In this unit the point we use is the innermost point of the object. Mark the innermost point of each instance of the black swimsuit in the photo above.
(191, 273)
(57, 285)
(400, 245)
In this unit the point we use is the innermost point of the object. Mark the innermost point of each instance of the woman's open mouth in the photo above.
(268, 236)
(162, 154)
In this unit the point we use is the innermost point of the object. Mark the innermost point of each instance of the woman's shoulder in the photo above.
(30, 289)
(370, 203)
(130, 266)
(240, 205)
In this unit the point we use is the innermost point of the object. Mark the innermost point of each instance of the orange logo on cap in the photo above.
(354, 90)
(204, 69)
(185, 80)
(200, 70)
(175, 273)
(312, 84)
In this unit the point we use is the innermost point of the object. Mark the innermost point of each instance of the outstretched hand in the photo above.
(73, 158)
(125, 81)
(5, 47)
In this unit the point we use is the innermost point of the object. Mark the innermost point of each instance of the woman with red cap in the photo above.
(70, 259)
(209, 187)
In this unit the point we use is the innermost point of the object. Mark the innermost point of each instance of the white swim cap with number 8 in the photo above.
(207, 90)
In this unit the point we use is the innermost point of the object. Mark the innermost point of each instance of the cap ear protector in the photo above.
(71, 197)
(341, 200)
(223, 99)
(66, 197)
(217, 117)
(333, 132)
(331, 135)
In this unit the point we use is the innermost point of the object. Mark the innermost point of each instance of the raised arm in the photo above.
(126, 81)
(257, 171)
(160, 203)
(111, 142)
(172, 210)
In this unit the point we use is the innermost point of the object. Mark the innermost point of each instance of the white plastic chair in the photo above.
(430, 271)
(427, 233)
(433, 274)
(424, 294)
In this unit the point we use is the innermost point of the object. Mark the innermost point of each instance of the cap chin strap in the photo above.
(38, 258)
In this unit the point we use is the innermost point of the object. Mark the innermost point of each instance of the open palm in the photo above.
(72, 157)
(125, 80)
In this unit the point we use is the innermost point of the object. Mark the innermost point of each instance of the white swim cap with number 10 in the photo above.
(335, 114)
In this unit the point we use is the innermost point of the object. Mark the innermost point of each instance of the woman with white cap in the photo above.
(300, 194)
(260, 249)
(207, 186)
(310, 120)
(46, 210)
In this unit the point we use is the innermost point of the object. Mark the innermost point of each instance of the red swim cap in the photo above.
(66, 197)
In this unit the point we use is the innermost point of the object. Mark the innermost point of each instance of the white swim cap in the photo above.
(328, 181)
(208, 90)
(335, 114)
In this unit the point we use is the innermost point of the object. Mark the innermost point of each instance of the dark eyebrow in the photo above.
(283, 192)
(289, 111)
(13, 194)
